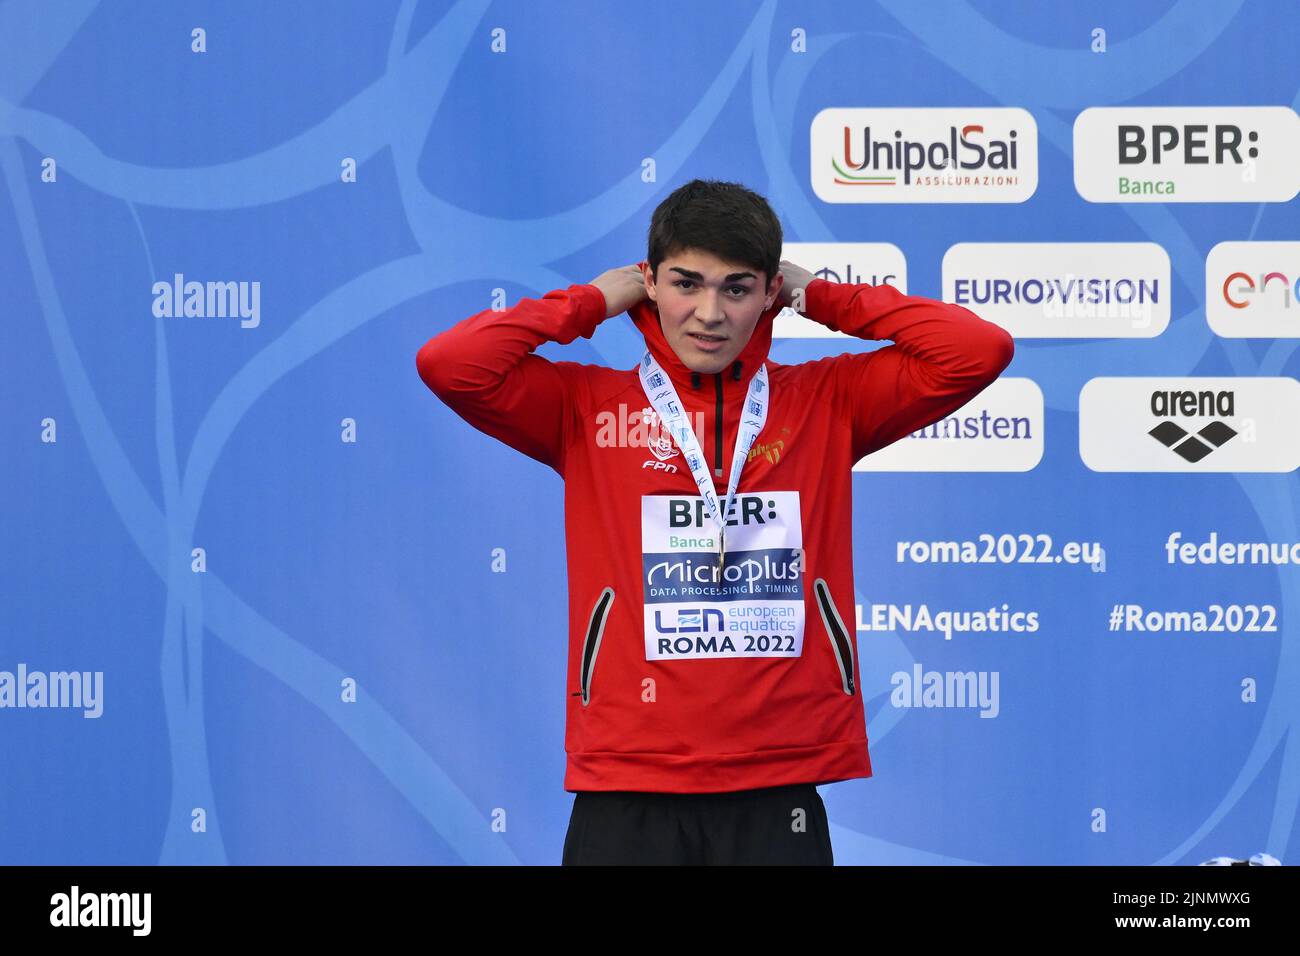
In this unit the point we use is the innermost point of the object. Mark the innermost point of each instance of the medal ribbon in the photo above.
(663, 397)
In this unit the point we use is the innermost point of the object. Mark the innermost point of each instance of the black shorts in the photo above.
(769, 826)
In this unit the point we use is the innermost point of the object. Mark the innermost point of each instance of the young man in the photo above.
(713, 681)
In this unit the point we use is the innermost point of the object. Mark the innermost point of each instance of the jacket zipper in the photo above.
(591, 643)
(838, 634)
(717, 428)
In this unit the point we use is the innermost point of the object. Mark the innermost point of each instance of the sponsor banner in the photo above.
(1190, 424)
(1251, 290)
(753, 608)
(1187, 154)
(1000, 429)
(1062, 289)
(918, 154)
(870, 263)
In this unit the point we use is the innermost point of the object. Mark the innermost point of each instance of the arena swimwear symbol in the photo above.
(1192, 449)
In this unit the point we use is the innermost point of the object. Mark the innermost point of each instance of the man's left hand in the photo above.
(796, 278)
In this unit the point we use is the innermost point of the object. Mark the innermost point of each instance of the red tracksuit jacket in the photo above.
(680, 681)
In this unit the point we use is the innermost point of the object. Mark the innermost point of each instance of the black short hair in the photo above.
(725, 219)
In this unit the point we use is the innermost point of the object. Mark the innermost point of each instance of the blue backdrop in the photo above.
(236, 520)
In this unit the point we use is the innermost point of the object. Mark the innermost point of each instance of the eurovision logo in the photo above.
(1062, 289)
(978, 154)
(1190, 424)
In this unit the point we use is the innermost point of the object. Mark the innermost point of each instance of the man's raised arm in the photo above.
(943, 356)
(484, 370)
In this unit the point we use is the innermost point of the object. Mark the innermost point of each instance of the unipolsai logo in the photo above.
(924, 155)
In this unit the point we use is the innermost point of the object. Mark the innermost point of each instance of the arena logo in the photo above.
(1062, 290)
(1252, 288)
(924, 155)
(1187, 154)
(1000, 429)
(870, 263)
(1204, 404)
(1190, 424)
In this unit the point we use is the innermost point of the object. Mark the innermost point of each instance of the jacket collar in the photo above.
(735, 378)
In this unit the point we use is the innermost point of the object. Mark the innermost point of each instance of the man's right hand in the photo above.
(623, 288)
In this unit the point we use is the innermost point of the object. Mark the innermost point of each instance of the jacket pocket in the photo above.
(591, 643)
(841, 642)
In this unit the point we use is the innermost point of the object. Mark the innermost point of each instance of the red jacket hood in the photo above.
(645, 315)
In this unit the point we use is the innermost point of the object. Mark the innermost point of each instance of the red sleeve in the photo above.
(943, 356)
(484, 369)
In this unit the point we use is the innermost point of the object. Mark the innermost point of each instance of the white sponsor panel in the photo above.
(1190, 424)
(1252, 288)
(1062, 289)
(1187, 154)
(922, 154)
(1000, 429)
(754, 608)
(872, 263)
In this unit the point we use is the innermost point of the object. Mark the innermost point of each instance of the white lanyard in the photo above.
(663, 396)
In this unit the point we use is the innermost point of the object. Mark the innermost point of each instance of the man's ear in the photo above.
(774, 291)
(648, 276)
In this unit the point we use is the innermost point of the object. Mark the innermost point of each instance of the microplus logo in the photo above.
(1252, 288)
(211, 300)
(75, 908)
(924, 155)
(1187, 154)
